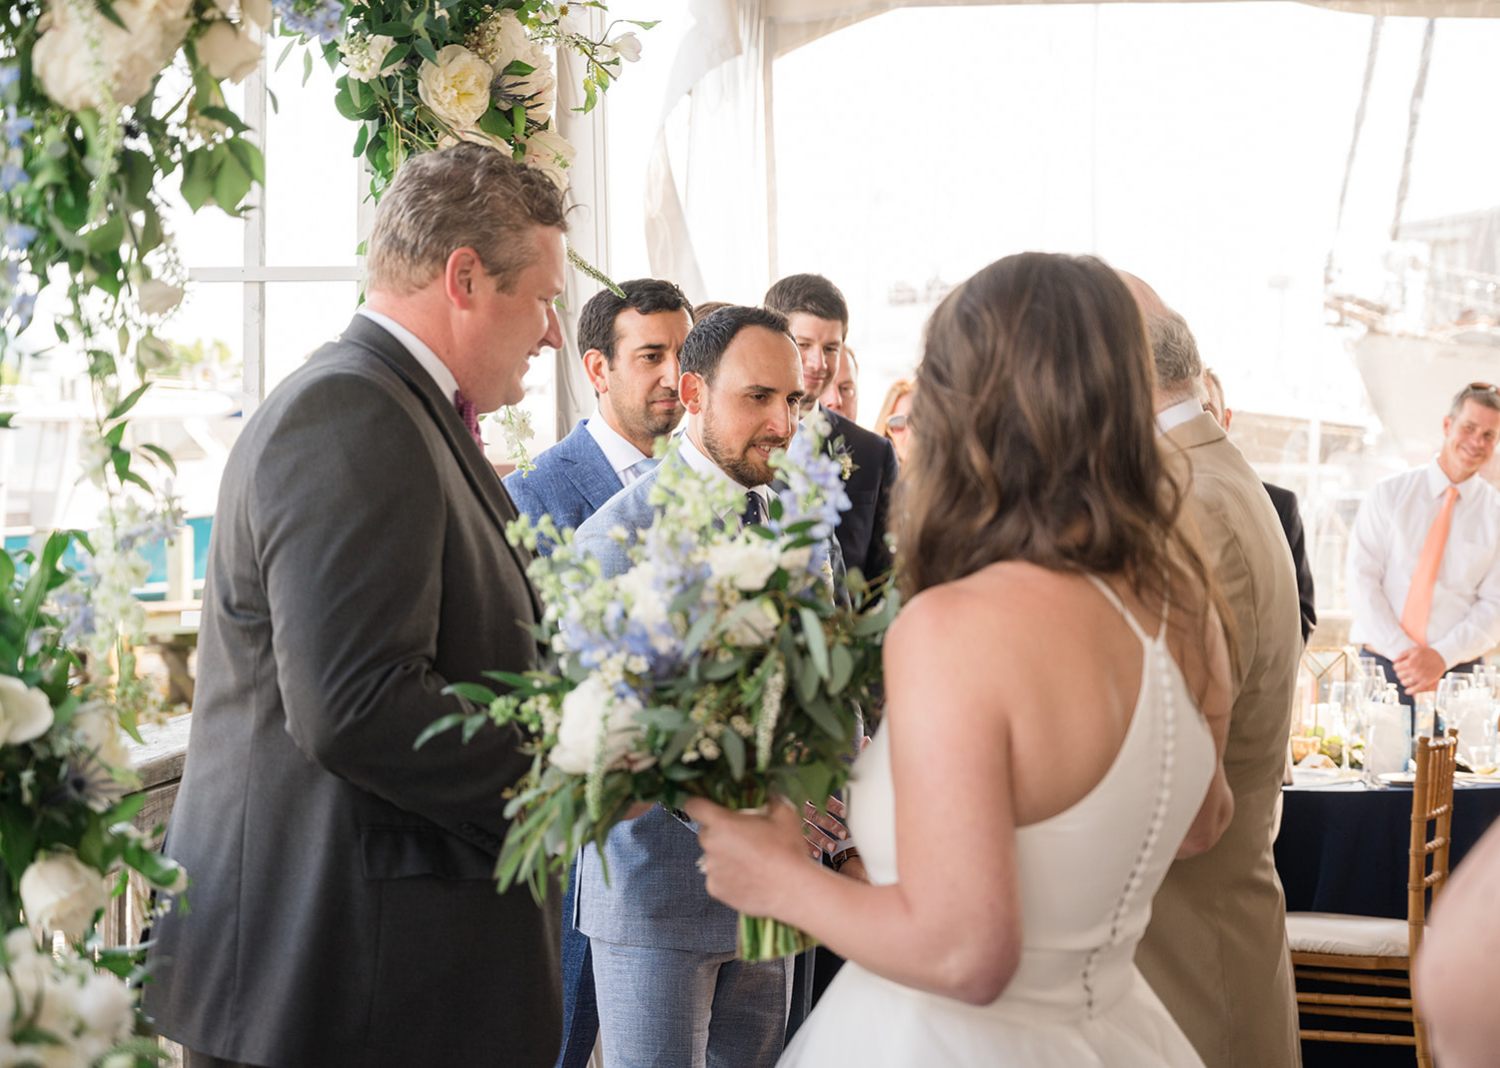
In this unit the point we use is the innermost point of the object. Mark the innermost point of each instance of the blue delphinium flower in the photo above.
(325, 22)
(19, 235)
(15, 126)
(9, 73)
(21, 307)
(12, 175)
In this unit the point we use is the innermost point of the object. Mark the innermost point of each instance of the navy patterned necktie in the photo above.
(470, 417)
(754, 511)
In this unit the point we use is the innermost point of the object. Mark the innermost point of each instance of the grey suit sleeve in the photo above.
(350, 528)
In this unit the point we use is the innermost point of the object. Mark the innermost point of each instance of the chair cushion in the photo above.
(1349, 936)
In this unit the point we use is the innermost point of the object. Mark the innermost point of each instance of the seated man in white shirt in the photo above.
(1424, 555)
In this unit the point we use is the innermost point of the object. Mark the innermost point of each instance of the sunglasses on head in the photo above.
(895, 422)
(1481, 387)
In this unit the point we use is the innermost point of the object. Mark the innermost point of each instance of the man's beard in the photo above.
(740, 468)
(650, 422)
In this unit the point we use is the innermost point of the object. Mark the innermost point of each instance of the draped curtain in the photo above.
(710, 209)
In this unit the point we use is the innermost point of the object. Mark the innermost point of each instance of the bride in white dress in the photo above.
(1057, 699)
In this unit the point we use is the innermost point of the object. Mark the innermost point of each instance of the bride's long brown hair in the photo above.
(1033, 430)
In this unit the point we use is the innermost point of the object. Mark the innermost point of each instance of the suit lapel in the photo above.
(592, 474)
(471, 459)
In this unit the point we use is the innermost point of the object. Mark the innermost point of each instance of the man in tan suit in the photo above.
(1216, 950)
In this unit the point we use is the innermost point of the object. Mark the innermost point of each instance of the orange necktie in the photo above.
(1419, 596)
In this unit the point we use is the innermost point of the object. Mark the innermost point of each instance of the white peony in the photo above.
(757, 626)
(228, 51)
(157, 298)
(551, 154)
(747, 565)
(25, 712)
(476, 136)
(61, 893)
(590, 711)
(457, 87)
(130, 59)
(627, 46)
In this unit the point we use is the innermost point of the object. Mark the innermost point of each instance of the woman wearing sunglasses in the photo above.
(891, 423)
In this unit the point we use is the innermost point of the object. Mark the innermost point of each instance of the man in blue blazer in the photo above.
(630, 348)
(818, 317)
(671, 992)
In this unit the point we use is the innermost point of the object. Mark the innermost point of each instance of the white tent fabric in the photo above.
(711, 201)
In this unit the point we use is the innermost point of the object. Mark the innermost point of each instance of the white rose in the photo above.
(757, 626)
(627, 46)
(258, 12)
(747, 565)
(647, 605)
(228, 52)
(457, 87)
(157, 298)
(365, 55)
(98, 733)
(130, 58)
(795, 561)
(551, 154)
(105, 1007)
(536, 91)
(512, 43)
(61, 893)
(25, 712)
(589, 711)
(476, 136)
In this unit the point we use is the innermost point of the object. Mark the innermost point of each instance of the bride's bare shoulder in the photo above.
(978, 608)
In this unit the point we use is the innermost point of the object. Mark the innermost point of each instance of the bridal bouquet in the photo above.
(721, 664)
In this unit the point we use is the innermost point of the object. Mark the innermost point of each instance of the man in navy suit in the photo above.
(671, 993)
(630, 348)
(818, 318)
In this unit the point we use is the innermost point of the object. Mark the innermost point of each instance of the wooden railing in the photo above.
(159, 763)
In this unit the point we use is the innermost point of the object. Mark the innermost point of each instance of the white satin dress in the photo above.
(1087, 876)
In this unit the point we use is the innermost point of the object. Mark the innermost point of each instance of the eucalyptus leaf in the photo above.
(817, 648)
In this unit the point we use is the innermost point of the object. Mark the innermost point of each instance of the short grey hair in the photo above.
(1481, 393)
(466, 196)
(1175, 350)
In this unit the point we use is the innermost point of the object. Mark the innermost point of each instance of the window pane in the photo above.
(300, 317)
(312, 179)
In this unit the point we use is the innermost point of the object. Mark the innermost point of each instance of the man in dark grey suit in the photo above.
(343, 906)
(630, 346)
(818, 317)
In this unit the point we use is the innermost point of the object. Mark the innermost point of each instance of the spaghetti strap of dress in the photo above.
(1113, 598)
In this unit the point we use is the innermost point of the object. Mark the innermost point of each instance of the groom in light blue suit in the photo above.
(630, 352)
(671, 993)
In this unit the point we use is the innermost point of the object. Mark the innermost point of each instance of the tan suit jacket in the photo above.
(1216, 949)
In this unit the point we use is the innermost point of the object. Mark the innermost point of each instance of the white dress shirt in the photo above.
(621, 454)
(429, 360)
(704, 466)
(1177, 414)
(1384, 546)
